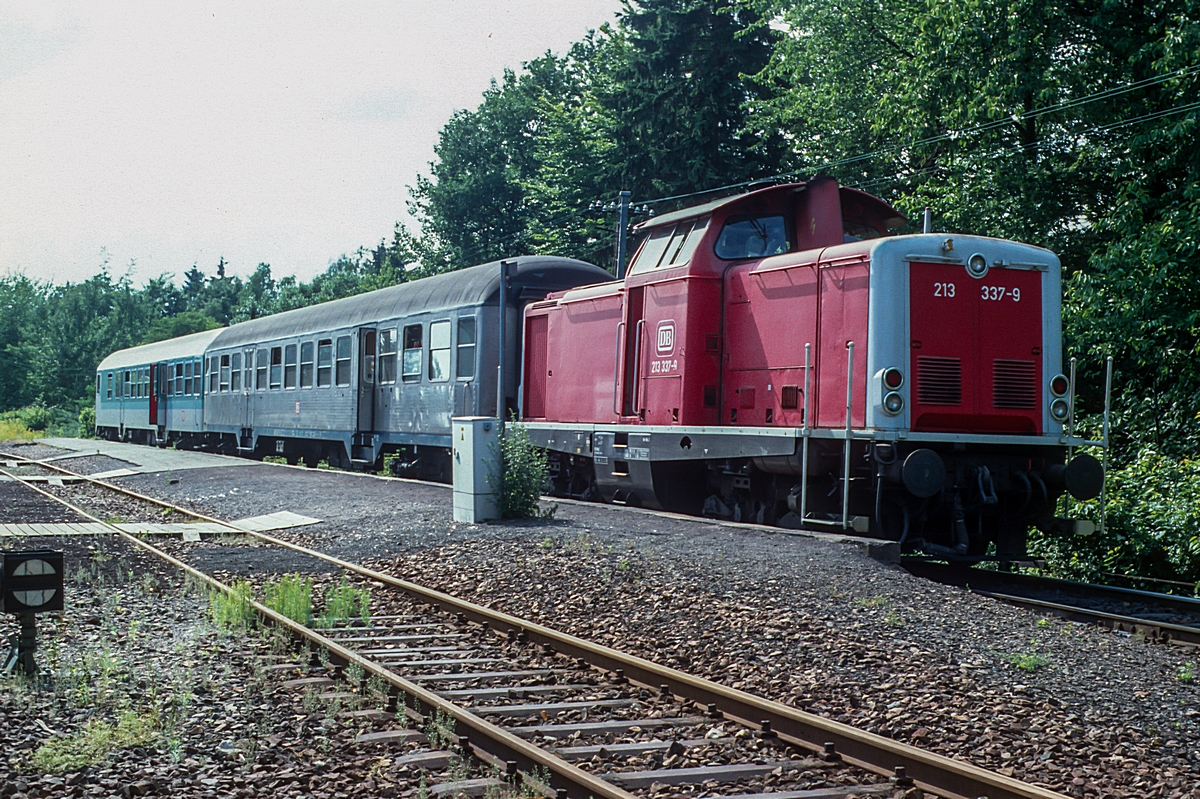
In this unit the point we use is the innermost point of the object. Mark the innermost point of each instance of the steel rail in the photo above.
(993, 585)
(935, 773)
(1158, 629)
(502, 746)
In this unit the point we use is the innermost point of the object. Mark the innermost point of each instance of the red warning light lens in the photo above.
(893, 378)
(1059, 385)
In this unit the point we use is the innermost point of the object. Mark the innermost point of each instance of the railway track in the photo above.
(1163, 617)
(509, 695)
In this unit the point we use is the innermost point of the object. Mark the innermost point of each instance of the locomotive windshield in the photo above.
(669, 246)
(752, 237)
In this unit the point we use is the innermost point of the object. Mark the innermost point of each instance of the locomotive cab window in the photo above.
(752, 237)
(670, 246)
(387, 355)
(439, 351)
(306, 365)
(343, 361)
(289, 366)
(465, 367)
(325, 363)
(411, 362)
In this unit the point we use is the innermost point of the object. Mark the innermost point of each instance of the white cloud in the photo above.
(278, 132)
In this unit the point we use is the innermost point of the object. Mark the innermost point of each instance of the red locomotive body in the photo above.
(778, 357)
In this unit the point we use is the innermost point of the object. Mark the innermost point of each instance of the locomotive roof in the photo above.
(189, 346)
(891, 216)
(475, 285)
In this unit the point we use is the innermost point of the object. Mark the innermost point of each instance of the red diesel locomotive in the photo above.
(778, 357)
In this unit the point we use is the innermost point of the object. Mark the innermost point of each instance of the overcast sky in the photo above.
(177, 133)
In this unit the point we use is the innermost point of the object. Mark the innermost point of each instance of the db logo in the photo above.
(666, 338)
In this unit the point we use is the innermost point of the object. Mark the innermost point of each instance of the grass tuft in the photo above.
(346, 602)
(291, 597)
(93, 744)
(234, 611)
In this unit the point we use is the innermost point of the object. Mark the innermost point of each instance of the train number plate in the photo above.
(663, 366)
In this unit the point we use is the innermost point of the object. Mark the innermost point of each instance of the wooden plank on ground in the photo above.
(617, 727)
(549, 708)
(726, 772)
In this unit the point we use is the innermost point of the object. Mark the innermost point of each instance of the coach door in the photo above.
(158, 400)
(366, 379)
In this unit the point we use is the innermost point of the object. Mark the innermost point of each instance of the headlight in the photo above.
(1059, 385)
(977, 265)
(893, 379)
(1060, 410)
(893, 403)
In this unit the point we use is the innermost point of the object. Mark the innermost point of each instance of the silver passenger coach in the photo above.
(349, 380)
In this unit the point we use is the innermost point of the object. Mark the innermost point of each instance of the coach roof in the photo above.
(476, 285)
(190, 346)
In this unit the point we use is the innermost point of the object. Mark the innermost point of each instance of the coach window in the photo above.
(387, 356)
(752, 237)
(235, 376)
(260, 370)
(306, 365)
(276, 367)
(289, 366)
(224, 373)
(186, 369)
(146, 382)
(411, 361)
(325, 363)
(214, 368)
(125, 383)
(465, 366)
(439, 351)
(170, 381)
(108, 386)
(342, 370)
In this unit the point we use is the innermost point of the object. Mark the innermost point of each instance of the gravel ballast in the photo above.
(1087, 712)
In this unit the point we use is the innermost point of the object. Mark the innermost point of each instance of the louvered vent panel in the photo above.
(1014, 384)
(939, 381)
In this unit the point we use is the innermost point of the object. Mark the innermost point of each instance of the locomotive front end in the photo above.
(967, 393)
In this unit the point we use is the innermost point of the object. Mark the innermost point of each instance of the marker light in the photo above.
(1059, 385)
(1060, 410)
(893, 379)
(977, 265)
(893, 403)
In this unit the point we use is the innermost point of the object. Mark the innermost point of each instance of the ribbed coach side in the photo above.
(385, 371)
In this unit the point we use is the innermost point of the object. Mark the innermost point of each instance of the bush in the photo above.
(525, 470)
(87, 421)
(1151, 526)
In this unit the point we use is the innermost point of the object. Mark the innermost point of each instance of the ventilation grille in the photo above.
(789, 397)
(939, 381)
(1015, 384)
